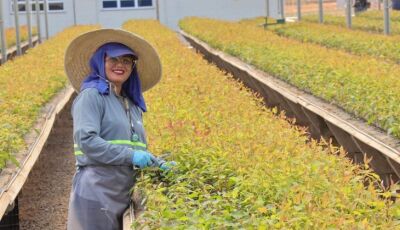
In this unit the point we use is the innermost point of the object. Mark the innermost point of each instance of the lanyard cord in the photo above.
(128, 113)
(126, 107)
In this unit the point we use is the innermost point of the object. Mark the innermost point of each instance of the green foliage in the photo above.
(378, 15)
(363, 86)
(10, 35)
(241, 166)
(353, 41)
(374, 25)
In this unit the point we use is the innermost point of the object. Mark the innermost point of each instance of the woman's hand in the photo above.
(142, 159)
(168, 165)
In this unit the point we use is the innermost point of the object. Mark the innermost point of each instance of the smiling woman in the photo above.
(109, 137)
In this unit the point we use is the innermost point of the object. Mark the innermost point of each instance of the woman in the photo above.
(111, 68)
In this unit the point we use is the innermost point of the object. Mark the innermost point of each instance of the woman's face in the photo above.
(119, 69)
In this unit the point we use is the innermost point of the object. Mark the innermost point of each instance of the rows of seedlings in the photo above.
(353, 41)
(10, 35)
(364, 86)
(355, 135)
(371, 21)
(242, 165)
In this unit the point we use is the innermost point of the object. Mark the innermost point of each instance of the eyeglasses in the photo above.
(126, 61)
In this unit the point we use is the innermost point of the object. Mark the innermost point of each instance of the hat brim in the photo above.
(81, 49)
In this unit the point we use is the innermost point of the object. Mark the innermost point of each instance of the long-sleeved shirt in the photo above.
(103, 131)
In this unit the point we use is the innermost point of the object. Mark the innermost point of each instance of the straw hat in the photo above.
(81, 49)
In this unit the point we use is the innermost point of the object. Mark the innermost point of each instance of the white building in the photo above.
(112, 13)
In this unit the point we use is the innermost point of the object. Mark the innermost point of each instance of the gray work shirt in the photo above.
(104, 142)
(102, 130)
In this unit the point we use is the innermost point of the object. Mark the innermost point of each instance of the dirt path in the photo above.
(43, 201)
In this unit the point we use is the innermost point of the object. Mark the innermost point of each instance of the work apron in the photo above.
(99, 197)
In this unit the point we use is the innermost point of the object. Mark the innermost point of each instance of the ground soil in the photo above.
(311, 8)
(43, 201)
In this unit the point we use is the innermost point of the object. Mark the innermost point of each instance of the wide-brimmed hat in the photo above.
(81, 49)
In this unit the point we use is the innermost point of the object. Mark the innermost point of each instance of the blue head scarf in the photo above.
(97, 78)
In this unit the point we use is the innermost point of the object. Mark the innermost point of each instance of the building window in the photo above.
(33, 6)
(127, 3)
(110, 4)
(121, 4)
(52, 5)
(56, 5)
(145, 3)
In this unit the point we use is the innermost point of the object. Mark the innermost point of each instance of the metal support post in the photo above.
(281, 10)
(298, 10)
(46, 20)
(74, 7)
(321, 11)
(17, 35)
(158, 10)
(3, 35)
(386, 17)
(28, 21)
(348, 13)
(266, 13)
(37, 8)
